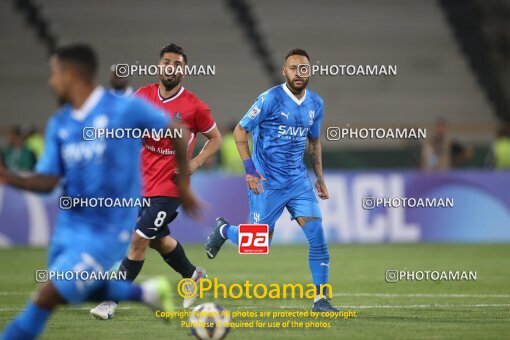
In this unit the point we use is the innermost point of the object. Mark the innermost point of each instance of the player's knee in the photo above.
(164, 245)
(48, 296)
(316, 238)
(137, 248)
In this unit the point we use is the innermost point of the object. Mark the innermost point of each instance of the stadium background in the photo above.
(453, 62)
(452, 59)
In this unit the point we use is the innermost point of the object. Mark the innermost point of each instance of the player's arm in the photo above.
(253, 118)
(205, 124)
(315, 153)
(211, 146)
(37, 183)
(48, 169)
(188, 200)
(253, 177)
(241, 139)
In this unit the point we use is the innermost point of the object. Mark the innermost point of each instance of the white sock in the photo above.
(149, 294)
(317, 298)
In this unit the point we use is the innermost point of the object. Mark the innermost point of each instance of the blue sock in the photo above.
(27, 325)
(231, 233)
(117, 291)
(318, 255)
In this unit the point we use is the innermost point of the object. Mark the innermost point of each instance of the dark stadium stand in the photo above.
(433, 78)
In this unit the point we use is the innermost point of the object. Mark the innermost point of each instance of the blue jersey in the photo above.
(98, 168)
(280, 125)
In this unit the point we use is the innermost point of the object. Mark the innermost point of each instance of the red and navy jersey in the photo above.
(159, 161)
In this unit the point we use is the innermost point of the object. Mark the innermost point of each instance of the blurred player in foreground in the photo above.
(90, 239)
(159, 168)
(283, 121)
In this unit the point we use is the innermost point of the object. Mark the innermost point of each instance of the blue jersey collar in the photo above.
(89, 104)
(292, 96)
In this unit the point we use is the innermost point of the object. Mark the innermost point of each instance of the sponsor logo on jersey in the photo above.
(83, 151)
(295, 131)
(177, 116)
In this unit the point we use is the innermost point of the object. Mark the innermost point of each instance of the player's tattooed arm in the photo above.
(253, 177)
(241, 138)
(315, 153)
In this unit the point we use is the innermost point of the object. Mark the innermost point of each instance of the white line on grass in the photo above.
(426, 295)
(452, 306)
(483, 305)
(66, 308)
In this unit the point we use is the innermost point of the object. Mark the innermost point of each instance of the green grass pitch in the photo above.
(427, 310)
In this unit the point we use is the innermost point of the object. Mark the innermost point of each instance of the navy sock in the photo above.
(131, 267)
(28, 325)
(179, 262)
(117, 291)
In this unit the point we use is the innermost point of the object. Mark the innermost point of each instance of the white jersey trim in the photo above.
(292, 96)
(175, 96)
(210, 129)
(89, 104)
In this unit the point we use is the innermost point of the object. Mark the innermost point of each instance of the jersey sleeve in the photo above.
(315, 129)
(140, 93)
(257, 113)
(50, 162)
(144, 115)
(203, 120)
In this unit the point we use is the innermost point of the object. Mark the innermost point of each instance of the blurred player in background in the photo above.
(120, 85)
(90, 239)
(159, 169)
(283, 121)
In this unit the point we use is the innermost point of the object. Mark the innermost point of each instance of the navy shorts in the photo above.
(153, 220)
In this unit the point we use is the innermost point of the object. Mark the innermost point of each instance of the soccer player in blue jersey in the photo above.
(91, 239)
(284, 121)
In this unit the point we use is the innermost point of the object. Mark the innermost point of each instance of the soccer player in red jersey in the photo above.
(159, 168)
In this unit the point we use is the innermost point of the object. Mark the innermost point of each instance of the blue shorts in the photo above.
(74, 250)
(299, 199)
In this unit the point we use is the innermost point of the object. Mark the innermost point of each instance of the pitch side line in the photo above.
(425, 295)
(453, 306)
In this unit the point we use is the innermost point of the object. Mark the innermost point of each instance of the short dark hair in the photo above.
(81, 55)
(297, 51)
(173, 48)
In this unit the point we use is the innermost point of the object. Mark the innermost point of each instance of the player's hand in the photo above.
(193, 165)
(191, 204)
(254, 183)
(322, 191)
(3, 173)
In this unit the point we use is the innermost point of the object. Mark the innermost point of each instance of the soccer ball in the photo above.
(209, 321)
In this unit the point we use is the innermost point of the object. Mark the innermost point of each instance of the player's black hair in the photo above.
(173, 48)
(81, 55)
(297, 51)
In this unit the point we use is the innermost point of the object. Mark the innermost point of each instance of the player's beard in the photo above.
(61, 101)
(170, 84)
(297, 89)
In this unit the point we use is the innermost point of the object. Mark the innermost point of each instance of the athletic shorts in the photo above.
(78, 256)
(153, 220)
(299, 199)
